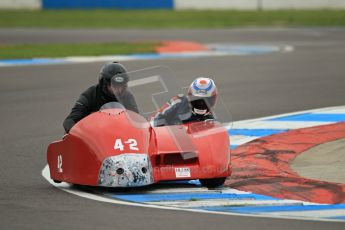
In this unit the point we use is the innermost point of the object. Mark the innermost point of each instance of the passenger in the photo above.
(198, 105)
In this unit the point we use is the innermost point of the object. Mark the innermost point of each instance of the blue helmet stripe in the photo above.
(207, 89)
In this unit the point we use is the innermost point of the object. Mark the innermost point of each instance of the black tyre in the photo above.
(57, 181)
(213, 183)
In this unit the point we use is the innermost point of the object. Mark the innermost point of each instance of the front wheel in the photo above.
(212, 183)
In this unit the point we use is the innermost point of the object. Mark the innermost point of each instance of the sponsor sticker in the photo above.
(59, 164)
(182, 172)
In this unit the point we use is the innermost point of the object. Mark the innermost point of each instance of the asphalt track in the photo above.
(35, 100)
(309, 163)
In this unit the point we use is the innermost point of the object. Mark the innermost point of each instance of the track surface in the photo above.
(36, 99)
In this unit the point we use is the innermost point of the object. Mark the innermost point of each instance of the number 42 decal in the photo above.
(132, 143)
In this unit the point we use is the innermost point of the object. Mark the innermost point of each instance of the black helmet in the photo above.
(108, 74)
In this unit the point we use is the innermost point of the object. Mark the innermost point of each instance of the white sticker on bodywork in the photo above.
(59, 164)
(182, 172)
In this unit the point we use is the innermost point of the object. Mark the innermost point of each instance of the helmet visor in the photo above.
(206, 103)
(118, 84)
(119, 79)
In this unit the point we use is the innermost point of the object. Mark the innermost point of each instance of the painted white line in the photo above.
(278, 124)
(240, 140)
(288, 48)
(98, 58)
(172, 189)
(65, 187)
(250, 123)
(318, 110)
(340, 110)
(217, 50)
(224, 202)
(329, 213)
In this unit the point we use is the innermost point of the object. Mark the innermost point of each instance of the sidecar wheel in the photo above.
(213, 183)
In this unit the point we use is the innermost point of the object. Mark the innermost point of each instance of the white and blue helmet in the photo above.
(202, 95)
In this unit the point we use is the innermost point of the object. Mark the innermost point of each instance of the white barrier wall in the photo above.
(20, 4)
(216, 4)
(303, 4)
(259, 4)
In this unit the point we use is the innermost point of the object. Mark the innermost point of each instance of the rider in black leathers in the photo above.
(92, 99)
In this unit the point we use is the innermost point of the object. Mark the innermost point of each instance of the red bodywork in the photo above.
(78, 158)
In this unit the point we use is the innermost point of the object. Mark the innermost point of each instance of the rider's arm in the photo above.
(174, 111)
(159, 118)
(78, 112)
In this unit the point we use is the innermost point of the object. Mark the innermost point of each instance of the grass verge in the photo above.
(168, 18)
(23, 51)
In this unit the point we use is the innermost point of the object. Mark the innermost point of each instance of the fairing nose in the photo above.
(126, 170)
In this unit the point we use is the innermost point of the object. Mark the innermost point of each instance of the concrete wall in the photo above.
(303, 4)
(216, 4)
(20, 4)
(259, 4)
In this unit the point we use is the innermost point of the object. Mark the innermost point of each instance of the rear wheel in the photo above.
(57, 181)
(212, 183)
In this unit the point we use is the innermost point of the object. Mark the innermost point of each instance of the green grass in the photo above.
(145, 19)
(82, 49)
(168, 18)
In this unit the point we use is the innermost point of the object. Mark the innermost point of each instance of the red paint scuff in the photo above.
(262, 166)
(180, 46)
